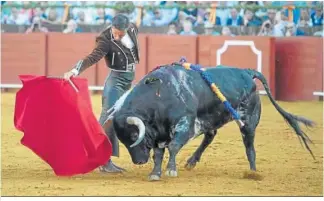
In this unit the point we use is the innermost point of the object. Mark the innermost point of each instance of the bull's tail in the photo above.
(290, 118)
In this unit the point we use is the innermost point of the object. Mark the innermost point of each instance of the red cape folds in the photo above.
(59, 125)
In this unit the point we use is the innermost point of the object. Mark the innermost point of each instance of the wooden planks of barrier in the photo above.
(299, 68)
(65, 50)
(22, 54)
(241, 52)
(292, 65)
(165, 49)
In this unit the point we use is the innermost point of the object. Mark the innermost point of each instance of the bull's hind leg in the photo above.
(183, 131)
(158, 158)
(250, 114)
(208, 138)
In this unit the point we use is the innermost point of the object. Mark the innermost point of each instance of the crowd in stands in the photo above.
(271, 21)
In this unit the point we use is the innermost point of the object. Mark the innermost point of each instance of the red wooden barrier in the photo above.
(64, 51)
(164, 49)
(241, 52)
(299, 67)
(22, 54)
(298, 72)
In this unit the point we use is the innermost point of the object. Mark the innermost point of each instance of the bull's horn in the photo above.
(141, 127)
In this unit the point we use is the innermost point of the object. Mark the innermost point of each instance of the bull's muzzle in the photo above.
(141, 127)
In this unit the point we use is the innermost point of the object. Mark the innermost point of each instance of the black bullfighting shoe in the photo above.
(110, 167)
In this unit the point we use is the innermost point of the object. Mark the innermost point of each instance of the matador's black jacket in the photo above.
(117, 56)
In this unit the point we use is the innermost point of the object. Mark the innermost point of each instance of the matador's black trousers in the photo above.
(116, 84)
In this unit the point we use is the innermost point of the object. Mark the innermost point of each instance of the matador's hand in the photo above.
(69, 74)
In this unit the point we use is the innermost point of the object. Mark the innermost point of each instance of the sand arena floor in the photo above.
(286, 168)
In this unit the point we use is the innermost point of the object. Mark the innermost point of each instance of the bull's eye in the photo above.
(134, 136)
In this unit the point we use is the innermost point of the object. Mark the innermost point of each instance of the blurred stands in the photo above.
(262, 18)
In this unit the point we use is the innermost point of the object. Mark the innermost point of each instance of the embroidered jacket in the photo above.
(117, 56)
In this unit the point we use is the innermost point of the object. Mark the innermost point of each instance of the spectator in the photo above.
(311, 4)
(187, 29)
(101, 18)
(201, 13)
(39, 12)
(6, 12)
(317, 17)
(280, 23)
(263, 12)
(296, 11)
(160, 17)
(304, 20)
(157, 19)
(18, 18)
(226, 31)
(259, 13)
(266, 29)
(170, 14)
(200, 20)
(28, 12)
(148, 14)
(234, 19)
(59, 11)
(250, 19)
(292, 30)
(222, 13)
(163, 17)
(72, 27)
(190, 13)
(52, 17)
(84, 14)
(207, 15)
(172, 29)
(36, 26)
(271, 15)
(209, 29)
(81, 18)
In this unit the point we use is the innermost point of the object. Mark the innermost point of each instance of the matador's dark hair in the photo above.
(120, 22)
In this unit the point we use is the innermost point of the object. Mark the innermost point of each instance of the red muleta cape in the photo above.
(59, 125)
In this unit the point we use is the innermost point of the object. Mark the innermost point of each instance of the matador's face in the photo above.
(118, 34)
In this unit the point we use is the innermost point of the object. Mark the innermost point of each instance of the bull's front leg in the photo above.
(208, 138)
(182, 134)
(158, 158)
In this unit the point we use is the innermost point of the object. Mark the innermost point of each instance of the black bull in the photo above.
(172, 105)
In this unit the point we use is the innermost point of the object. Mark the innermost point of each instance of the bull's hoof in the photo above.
(154, 177)
(191, 164)
(171, 173)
